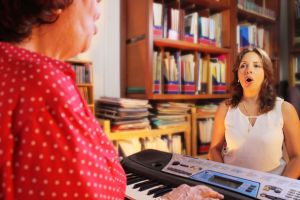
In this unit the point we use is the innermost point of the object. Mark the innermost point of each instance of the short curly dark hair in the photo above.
(18, 17)
(267, 94)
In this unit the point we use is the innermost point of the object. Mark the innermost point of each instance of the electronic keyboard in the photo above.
(152, 173)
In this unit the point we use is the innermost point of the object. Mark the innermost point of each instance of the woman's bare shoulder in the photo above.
(288, 109)
(223, 108)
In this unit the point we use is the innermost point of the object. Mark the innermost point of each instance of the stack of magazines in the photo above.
(124, 114)
(170, 114)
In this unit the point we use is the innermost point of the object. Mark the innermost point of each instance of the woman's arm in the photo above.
(291, 129)
(218, 136)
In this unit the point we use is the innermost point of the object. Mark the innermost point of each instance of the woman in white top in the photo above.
(253, 125)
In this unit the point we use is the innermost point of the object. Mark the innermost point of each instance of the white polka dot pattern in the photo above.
(51, 146)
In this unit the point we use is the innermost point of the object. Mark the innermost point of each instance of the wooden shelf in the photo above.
(78, 61)
(253, 16)
(183, 45)
(125, 135)
(187, 96)
(215, 5)
(85, 85)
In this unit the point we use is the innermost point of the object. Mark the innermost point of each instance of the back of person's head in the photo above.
(18, 17)
(267, 94)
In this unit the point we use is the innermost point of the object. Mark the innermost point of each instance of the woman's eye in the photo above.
(243, 65)
(257, 66)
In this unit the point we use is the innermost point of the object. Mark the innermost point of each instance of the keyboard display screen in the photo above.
(226, 182)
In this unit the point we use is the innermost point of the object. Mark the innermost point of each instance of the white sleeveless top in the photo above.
(256, 147)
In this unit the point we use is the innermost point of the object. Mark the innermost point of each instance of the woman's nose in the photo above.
(249, 69)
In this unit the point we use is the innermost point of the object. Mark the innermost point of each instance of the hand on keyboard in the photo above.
(198, 192)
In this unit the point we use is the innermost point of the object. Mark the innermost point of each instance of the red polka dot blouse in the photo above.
(51, 146)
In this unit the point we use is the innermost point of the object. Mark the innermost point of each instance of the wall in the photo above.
(105, 51)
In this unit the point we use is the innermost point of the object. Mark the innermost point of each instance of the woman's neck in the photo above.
(45, 42)
(250, 96)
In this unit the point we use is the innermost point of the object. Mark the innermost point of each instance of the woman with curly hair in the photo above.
(253, 125)
(51, 145)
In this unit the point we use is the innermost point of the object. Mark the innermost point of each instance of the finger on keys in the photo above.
(199, 192)
(207, 192)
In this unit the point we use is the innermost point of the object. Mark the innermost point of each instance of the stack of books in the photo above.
(170, 114)
(124, 114)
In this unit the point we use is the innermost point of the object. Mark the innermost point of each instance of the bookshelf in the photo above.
(294, 43)
(125, 135)
(84, 80)
(261, 17)
(144, 42)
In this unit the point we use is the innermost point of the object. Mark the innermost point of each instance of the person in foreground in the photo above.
(51, 146)
(254, 125)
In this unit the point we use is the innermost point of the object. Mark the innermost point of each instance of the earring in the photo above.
(238, 81)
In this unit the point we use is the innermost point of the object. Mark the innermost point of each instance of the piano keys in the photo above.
(152, 173)
(139, 187)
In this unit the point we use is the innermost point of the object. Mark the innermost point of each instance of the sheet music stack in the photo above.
(124, 114)
(170, 114)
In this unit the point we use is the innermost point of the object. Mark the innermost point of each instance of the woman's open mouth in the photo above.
(249, 80)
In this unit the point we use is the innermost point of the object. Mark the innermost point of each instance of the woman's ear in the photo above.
(57, 11)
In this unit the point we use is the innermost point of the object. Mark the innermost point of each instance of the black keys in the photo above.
(134, 180)
(141, 184)
(148, 185)
(162, 192)
(145, 185)
(130, 176)
(159, 190)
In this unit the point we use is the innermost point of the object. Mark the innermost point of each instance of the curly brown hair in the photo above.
(267, 94)
(18, 17)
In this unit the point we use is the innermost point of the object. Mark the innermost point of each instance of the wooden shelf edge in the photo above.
(187, 96)
(84, 85)
(256, 16)
(125, 135)
(184, 45)
(78, 60)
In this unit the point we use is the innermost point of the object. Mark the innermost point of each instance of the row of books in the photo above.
(251, 6)
(296, 69)
(174, 73)
(296, 64)
(166, 21)
(83, 73)
(252, 35)
(172, 144)
(205, 126)
(203, 29)
(176, 24)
